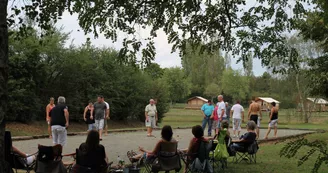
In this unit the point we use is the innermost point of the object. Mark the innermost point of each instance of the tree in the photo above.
(178, 85)
(248, 65)
(212, 90)
(234, 84)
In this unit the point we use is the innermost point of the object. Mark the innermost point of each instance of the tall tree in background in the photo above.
(248, 65)
(235, 84)
(202, 69)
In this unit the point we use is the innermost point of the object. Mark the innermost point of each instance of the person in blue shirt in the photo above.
(207, 110)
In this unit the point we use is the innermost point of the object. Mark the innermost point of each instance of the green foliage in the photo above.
(212, 90)
(177, 84)
(317, 146)
(234, 84)
(41, 67)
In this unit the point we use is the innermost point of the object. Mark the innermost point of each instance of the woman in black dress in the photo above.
(88, 116)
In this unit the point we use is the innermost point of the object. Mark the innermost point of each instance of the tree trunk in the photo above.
(3, 79)
(303, 113)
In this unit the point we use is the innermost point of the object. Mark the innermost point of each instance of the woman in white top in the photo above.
(237, 113)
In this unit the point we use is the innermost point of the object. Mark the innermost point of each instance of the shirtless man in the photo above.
(254, 114)
(48, 119)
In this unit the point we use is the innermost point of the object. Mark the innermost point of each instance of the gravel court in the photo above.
(117, 144)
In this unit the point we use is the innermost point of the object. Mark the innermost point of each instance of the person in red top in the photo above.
(215, 118)
(48, 109)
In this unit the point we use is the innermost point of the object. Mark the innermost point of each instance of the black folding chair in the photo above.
(80, 168)
(202, 161)
(50, 160)
(16, 161)
(246, 153)
(167, 163)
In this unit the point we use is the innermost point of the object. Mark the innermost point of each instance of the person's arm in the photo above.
(108, 116)
(191, 143)
(231, 113)
(156, 116)
(260, 112)
(47, 112)
(155, 151)
(203, 110)
(146, 113)
(85, 113)
(66, 116)
(222, 113)
(91, 113)
(249, 111)
(242, 115)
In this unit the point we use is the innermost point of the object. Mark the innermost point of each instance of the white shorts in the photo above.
(236, 123)
(99, 124)
(151, 122)
(59, 135)
(273, 123)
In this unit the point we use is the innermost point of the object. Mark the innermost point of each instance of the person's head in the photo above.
(100, 99)
(251, 126)
(220, 98)
(103, 99)
(52, 100)
(61, 100)
(209, 102)
(224, 124)
(197, 131)
(273, 104)
(167, 133)
(253, 99)
(90, 103)
(152, 101)
(226, 103)
(238, 101)
(92, 141)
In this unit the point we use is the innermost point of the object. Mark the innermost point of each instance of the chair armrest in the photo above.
(70, 155)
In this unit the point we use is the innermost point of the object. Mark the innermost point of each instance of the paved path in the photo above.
(117, 144)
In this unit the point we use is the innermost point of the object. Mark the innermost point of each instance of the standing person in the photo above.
(88, 116)
(151, 117)
(228, 109)
(215, 118)
(273, 122)
(255, 114)
(221, 111)
(48, 109)
(107, 111)
(59, 122)
(207, 110)
(99, 109)
(237, 113)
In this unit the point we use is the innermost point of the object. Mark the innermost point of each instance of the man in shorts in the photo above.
(151, 117)
(221, 111)
(59, 122)
(99, 109)
(255, 114)
(106, 117)
(237, 113)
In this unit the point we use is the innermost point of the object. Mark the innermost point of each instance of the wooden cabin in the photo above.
(315, 105)
(196, 102)
(265, 102)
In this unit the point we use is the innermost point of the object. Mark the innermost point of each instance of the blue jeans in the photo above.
(208, 121)
(91, 127)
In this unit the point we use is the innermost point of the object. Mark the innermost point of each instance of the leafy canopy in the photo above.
(230, 25)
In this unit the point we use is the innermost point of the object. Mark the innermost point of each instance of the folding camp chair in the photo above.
(166, 162)
(16, 162)
(222, 142)
(50, 160)
(80, 168)
(246, 153)
(202, 161)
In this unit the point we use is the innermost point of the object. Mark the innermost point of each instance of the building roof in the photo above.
(318, 101)
(268, 99)
(198, 97)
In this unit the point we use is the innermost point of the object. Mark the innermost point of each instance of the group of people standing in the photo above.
(57, 117)
(214, 115)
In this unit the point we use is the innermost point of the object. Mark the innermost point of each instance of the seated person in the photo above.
(91, 153)
(167, 146)
(247, 138)
(27, 159)
(194, 144)
(224, 126)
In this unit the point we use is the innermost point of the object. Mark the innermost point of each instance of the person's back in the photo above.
(237, 110)
(254, 108)
(92, 158)
(58, 115)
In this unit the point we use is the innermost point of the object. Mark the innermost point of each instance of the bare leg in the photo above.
(257, 132)
(21, 154)
(106, 129)
(268, 132)
(275, 131)
(238, 132)
(100, 133)
(150, 131)
(49, 131)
